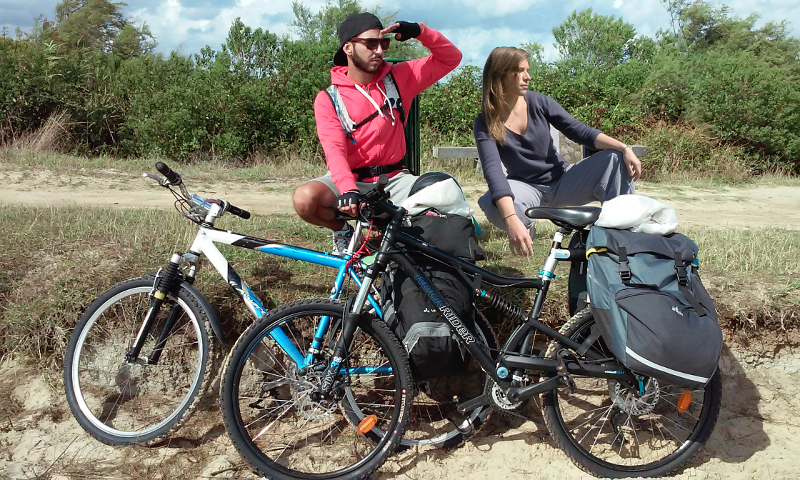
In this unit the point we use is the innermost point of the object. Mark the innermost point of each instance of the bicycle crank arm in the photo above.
(524, 393)
(470, 405)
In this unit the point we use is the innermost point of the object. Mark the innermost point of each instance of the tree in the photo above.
(536, 51)
(252, 53)
(593, 40)
(95, 25)
(323, 25)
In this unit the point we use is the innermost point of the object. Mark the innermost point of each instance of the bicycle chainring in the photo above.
(499, 401)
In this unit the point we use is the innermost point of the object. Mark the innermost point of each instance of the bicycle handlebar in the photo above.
(239, 212)
(174, 178)
(171, 175)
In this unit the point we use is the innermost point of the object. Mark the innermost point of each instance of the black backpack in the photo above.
(433, 350)
(654, 313)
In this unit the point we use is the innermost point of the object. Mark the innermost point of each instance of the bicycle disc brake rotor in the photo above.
(302, 388)
(630, 401)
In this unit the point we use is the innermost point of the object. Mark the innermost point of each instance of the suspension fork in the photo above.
(164, 285)
(174, 312)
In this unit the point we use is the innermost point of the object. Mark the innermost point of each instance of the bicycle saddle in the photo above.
(577, 217)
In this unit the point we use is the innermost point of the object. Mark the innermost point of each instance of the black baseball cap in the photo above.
(351, 27)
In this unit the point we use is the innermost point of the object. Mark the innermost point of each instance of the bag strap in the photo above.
(390, 85)
(348, 124)
(341, 112)
(682, 271)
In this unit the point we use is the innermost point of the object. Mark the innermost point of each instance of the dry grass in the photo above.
(682, 152)
(53, 136)
(57, 260)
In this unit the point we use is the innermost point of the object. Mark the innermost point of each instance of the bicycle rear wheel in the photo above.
(434, 419)
(608, 429)
(120, 402)
(282, 428)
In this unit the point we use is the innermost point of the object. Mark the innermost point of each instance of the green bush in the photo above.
(714, 74)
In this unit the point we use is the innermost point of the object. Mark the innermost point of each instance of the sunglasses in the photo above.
(373, 43)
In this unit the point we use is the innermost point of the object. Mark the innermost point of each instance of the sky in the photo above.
(475, 26)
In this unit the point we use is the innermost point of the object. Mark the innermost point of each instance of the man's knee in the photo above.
(307, 199)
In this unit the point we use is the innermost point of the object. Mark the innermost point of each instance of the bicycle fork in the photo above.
(165, 284)
(353, 312)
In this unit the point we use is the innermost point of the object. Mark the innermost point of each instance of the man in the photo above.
(360, 118)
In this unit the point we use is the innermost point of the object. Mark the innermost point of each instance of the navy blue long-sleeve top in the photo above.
(531, 158)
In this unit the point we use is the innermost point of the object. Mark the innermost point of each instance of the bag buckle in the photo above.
(681, 270)
(624, 268)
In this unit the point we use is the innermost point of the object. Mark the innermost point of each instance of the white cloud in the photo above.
(476, 26)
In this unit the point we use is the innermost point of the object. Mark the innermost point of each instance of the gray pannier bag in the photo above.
(653, 311)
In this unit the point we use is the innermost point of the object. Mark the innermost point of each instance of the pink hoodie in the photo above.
(378, 142)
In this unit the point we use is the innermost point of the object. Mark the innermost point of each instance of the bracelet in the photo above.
(509, 215)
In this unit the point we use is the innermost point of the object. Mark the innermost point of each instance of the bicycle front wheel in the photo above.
(121, 402)
(610, 429)
(274, 414)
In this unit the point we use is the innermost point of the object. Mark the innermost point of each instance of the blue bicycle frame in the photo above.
(204, 244)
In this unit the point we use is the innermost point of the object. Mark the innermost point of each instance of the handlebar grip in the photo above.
(380, 185)
(244, 214)
(171, 175)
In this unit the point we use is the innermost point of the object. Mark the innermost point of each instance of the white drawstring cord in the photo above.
(386, 100)
(373, 102)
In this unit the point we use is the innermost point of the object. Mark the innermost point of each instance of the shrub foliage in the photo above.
(712, 72)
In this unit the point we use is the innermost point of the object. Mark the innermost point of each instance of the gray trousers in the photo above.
(599, 177)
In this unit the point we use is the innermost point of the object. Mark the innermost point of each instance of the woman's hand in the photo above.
(603, 142)
(519, 240)
(632, 162)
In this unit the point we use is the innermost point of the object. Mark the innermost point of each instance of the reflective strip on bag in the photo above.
(662, 368)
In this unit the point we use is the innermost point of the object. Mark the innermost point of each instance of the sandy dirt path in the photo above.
(722, 208)
(756, 436)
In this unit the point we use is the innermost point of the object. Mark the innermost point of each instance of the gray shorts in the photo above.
(398, 186)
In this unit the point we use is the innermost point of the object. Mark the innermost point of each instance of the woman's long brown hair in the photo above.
(501, 66)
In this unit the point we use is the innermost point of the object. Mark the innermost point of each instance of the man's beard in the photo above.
(365, 65)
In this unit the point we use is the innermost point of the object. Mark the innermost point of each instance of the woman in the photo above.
(513, 132)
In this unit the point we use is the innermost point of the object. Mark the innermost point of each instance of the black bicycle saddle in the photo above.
(577, 217)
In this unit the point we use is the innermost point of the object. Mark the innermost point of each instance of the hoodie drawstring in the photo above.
(368, 97)
(387, 102)
(375, 104)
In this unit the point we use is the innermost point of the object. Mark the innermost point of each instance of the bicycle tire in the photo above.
(126, 403)
(434, 419)
(272, 417)
(671, 437)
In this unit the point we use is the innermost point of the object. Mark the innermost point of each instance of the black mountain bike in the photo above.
(612, 422)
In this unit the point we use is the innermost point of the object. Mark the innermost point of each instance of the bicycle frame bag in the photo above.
(654, 313)
(433, 350)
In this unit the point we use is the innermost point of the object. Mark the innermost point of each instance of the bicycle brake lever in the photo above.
(161, 181)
